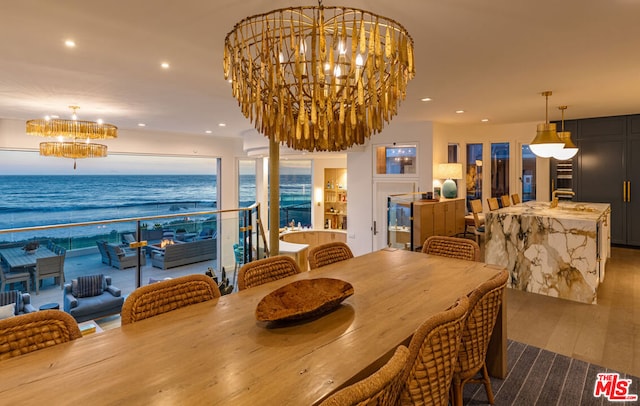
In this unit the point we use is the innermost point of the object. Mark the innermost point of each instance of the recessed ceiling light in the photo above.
(164, 65)
(142, 125)
(425, 99)
(208, 131)
(485, 120)
(99, 121)
(222, 125)
(459, 111)
(55, 116)
(70, 43)
(230, 80)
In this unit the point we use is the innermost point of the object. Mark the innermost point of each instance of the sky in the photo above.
(31, 163)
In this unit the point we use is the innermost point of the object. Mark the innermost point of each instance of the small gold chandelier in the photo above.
(75, 129)
(319, 78)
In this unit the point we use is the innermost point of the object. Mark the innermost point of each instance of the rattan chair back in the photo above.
(167, 295)
(382, 388)
(452, 247)
(515, 198)
(493, 203)
(265, 270)
(329, 253)
(506, 201)
(433, 353)
(35, 331)
(484, 304)
(476, 209)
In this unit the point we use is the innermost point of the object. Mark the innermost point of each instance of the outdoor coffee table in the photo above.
(50, 306)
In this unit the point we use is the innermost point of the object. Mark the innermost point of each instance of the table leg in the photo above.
(497, 351)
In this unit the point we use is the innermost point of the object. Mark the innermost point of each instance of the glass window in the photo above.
(452, 153)
(295, 192)
(117, 186)
(474, 172)
(528, 178)
(396, 160)
(246, 182)
(499, 169)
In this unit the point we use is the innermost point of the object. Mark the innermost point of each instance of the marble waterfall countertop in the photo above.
(557, 251)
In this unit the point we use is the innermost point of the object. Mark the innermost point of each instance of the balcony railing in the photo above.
(235, 235)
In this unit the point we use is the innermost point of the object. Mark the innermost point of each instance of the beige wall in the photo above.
(361, 180)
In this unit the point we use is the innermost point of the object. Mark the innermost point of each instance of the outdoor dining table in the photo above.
(216, 352)
(17, 257)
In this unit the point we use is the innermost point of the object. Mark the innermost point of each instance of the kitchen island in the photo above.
(556, 251)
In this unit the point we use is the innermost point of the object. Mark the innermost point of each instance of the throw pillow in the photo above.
(7, 311)
(87, 286)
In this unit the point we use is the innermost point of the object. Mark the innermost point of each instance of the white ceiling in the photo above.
(491, 58)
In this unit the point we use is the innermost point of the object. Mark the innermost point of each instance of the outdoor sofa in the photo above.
(184, 253)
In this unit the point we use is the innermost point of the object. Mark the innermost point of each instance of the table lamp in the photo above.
(449, 172)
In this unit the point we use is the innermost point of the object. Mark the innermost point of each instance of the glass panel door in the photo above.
(474, 173)
(528, 175)
(499, 169)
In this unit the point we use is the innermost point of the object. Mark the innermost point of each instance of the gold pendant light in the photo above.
(546, 143)
(570, 149)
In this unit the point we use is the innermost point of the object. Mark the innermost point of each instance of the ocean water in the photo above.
(28, 201)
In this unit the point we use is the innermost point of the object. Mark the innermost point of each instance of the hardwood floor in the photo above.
(606, 334)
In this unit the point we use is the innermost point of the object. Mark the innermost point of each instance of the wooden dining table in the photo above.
(216, 353)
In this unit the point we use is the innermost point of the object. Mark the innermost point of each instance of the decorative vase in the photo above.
(449, 189)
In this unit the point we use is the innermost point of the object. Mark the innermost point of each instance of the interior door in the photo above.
(601, 180)
(382, 190)
(633, 184)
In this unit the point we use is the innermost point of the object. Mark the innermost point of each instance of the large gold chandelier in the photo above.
(319, 78)
(80, 132)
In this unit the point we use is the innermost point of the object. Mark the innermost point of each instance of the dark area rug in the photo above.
(540, 377)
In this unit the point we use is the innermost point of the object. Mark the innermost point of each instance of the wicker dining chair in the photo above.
(433, 353)
(382, 388)
(265, 270)
(506, 200)
(329, 253)
(452, 247)
(34, 331)
(484, 304)
(515, 198)
(167, 295)
(493, 203)
(476, 210)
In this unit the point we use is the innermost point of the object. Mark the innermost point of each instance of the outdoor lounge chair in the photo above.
(102, 247)
(22, 301)
(122, 258)
(91, 297)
